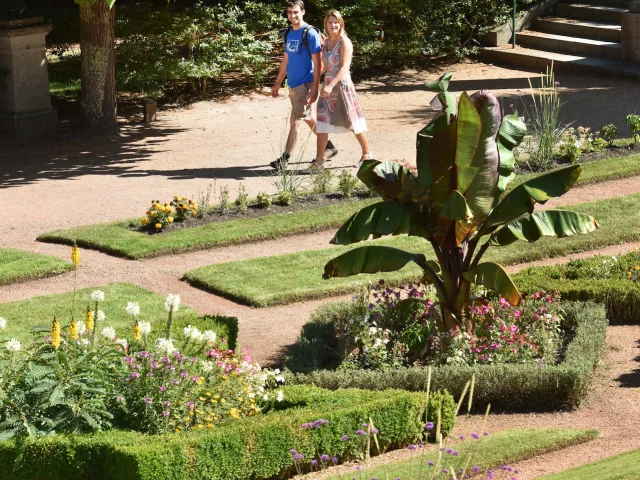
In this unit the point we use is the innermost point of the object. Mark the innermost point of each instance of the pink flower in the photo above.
(517, 314)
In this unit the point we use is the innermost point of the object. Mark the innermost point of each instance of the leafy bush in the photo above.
(446, 404)
(159, 216)
(285, 198)
(242, 200)
(609, 133)
(257, 447)
(347, 183)
(633, 122)
(321, 181)
(507, 387)
(263, 200)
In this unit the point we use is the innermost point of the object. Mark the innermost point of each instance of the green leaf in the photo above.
(522, 199)
(467, 138)
(372, 259)
(384, 218)
(492, 276)
(456, 208)
(391, 180)
(511, 133)
(442, 159)
(550, 223)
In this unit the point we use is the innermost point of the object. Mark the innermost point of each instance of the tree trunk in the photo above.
(98, 84)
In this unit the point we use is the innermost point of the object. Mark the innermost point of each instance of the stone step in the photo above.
(578, 28)
(603, 3)
(569, 45)
(538, 58)
(594, 13)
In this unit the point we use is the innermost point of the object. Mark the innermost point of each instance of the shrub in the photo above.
(242, 200)
(285, 198)
(160, 215)
(263, 200)
(347, 183)
(446, 404)
(223, 204)
(633, 122)
(609, 133)
(257, 447)
(507, 387)
(321, 181)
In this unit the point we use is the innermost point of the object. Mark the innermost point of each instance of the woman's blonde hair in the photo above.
(336, 14)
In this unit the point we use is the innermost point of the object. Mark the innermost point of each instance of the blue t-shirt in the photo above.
(300, 65)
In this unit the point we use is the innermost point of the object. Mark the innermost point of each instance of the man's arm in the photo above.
(317, 71)
(281, 74)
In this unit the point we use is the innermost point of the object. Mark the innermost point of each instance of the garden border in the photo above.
(507, 387)
(47, 266)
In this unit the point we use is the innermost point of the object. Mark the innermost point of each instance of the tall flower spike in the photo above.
(136, 332)
(88, 319)
(73, 329)
(55, 334)
(75, 255)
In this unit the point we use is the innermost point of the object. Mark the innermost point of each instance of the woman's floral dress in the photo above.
(341, 112)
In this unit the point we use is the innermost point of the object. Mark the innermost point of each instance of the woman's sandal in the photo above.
(315, 166)
(366, 156)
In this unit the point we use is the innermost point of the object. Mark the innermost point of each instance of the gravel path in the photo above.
(67, 181)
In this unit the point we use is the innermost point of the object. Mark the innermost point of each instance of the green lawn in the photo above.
(19, 265)
(23, 315)
(502, 448)
(118, 239)
(64, 77)
(625, 466)
(298, 276)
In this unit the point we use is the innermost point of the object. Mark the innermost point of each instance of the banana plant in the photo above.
(457, 202)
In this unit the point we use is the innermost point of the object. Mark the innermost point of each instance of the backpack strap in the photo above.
(305, 32)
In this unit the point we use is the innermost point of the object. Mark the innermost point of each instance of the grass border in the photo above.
(507, 387)
(615, 468)
(117, 239)
(40, 266)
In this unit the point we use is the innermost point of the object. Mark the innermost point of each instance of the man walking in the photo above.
(302, 65)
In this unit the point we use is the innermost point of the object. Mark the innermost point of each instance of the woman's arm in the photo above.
(346, 53)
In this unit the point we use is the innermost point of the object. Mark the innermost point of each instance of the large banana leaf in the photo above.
(481, 192)
(510, 135)
(372, 259)
(493, 276)
(549, 223)
(391, 180)
(442, 160)
(467, 137)
(384, 218)
(522, 199)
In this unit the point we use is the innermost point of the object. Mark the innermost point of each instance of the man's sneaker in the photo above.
(280, 162)
(329, 153)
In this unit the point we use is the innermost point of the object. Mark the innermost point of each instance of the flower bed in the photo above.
(507, 387)
(613, 281)
(257, 447)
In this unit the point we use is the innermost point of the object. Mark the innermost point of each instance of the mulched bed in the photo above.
(212, 215)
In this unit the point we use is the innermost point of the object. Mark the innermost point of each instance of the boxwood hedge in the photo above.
(507, 387)
(257, 447)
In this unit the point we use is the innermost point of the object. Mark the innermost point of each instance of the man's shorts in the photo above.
(300, 110)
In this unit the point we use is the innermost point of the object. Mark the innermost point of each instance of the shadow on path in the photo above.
(631, 379)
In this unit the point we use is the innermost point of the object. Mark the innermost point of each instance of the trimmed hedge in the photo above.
(257, 447)
(620, 297)
(507, 387)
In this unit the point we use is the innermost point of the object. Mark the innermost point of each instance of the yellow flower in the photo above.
(158, 226)
(75, 254)
(144, 221)
(154, 213)
(209, 425)
(88, 319)
(170, 219)
(136, 332)
(194, 214)
(55, 334)
(73, 329)
(176, 197)
(184, 198)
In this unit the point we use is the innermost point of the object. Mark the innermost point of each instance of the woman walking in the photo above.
(339, 110)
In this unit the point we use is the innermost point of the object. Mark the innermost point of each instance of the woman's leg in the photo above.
(364, 143)
(321, 147)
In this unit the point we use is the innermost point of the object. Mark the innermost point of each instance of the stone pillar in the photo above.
(25, 104)
(631, 33)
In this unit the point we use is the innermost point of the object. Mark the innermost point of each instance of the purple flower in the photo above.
(148, 400)
(324, 457)
(411, 447)
(345, 438)
(314, 462)
(374, 431)
(193, 359)
(461, 437)
(297, 456)
(293, 451)
(449, 451)
(191, 405)
(306, 425)
(361, 432)
(428, 426)
(475, 435)
(334, 460)
(135, 375)
(430, 463)
(175, 381)
(163, 389)
(154, 364)
(364, 425)
(165, 413)
(490, 474)
(455, 453)
(486, 434)
(195, 378)
(166, 403)
(184, 374)
(475, 469)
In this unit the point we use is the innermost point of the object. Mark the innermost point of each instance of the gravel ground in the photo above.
(65, 181)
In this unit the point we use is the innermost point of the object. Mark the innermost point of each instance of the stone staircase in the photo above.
(578, 34)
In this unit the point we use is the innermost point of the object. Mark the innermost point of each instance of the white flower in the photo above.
(192, 333)
(82, 327)
(207, 366)
(84, 341)
(373, 330)
(122, 341)
(133, 308)
(97, 296)
(280, 396)
(3, 323)
(172, 303)
(165, 346)
(101, 316)
(108, 332)
(145, 328)
(209, 336)
(279, 379)
(378, 343)
(265, 397)
(13, 345)
(276, 371)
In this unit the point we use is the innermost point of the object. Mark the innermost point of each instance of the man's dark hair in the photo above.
(293, 3)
